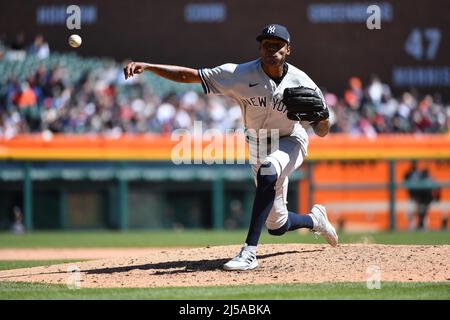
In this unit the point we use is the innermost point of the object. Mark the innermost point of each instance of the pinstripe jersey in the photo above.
(258, 95)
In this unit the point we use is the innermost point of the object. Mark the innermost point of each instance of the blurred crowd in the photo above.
(101, 102)
(373, 110)
(47, 102)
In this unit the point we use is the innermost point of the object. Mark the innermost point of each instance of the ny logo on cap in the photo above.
(271, 29)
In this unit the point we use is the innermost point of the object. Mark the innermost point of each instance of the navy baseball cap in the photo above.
(275, 31)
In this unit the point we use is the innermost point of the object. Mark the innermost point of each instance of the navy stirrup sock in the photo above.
(263, 203)
(297, 221)
(294, 222)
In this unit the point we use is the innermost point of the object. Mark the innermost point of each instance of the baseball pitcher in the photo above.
(274, 96)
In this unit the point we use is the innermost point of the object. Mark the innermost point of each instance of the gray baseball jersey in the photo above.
(258, 95)
(260, 99)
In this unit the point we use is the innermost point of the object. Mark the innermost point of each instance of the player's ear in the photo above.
(288, 50)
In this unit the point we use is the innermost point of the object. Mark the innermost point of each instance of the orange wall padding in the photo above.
(156, 147)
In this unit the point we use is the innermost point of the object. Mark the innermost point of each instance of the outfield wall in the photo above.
(153, 147)
(130, 182)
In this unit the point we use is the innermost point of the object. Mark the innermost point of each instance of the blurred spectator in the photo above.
(412, 178)
(18, 227)
(427, 193)
(377, 90)
(354, 93)
(423, 190)
(18, 46)
(2, 52)
(444, 221)
(25, 96)
(39, 48)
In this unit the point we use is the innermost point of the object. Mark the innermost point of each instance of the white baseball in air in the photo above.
(75, 41)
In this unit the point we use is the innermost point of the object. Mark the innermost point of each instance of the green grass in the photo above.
(17, 264)
(358, 290)
(89, 239)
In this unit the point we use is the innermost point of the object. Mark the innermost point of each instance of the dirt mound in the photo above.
(70, 253)
(281, 263)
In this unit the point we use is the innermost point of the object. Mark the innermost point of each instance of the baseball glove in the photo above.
(304, 104)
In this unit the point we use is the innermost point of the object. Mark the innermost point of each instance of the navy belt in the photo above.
(257, 140)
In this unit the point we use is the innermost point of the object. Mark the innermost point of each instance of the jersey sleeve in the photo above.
(218, 80)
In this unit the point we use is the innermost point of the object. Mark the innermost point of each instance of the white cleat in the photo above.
(245, 260)
(322, 226)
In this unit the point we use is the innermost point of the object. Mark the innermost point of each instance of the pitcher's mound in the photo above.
(280, 263)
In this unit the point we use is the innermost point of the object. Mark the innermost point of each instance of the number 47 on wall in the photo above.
(423, 44)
